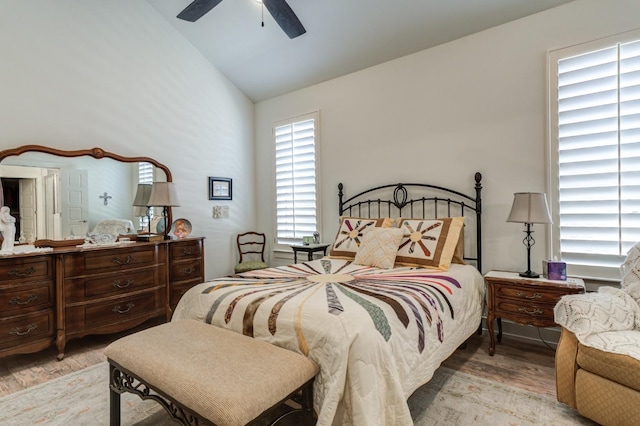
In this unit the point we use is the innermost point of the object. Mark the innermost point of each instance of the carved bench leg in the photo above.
(114, 400)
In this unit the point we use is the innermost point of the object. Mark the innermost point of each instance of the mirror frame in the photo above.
(96, 153)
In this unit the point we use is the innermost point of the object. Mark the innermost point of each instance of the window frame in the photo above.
(315, 115)
(595, 272)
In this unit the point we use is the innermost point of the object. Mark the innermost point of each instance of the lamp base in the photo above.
(529, 274)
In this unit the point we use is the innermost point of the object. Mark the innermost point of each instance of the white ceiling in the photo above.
(342, 36)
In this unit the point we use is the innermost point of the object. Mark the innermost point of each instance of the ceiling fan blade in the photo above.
(285, 17)
(197, 9)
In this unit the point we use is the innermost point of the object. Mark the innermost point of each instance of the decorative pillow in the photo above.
(350, 234)
(429, 243)
(458, 253)
(379, 247)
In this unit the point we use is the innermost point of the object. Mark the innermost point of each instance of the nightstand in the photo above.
(527, 301)
(309, 249)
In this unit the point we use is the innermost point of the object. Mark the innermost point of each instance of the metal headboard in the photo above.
(431, 202)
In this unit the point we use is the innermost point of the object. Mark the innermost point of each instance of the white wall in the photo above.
(116, 75)
(438, 116)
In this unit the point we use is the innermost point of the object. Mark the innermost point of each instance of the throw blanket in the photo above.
(377, 334)
(609, 319)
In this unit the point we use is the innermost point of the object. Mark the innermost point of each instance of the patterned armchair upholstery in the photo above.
(603, 386)
(598, 355)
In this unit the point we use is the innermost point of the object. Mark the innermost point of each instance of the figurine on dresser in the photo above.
(8, 230)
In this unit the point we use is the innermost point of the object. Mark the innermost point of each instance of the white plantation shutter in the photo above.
(595, 144)
(296, 184)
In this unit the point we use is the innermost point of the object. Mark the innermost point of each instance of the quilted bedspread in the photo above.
(377, 334)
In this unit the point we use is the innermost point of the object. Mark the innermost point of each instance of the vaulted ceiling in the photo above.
(342, 36)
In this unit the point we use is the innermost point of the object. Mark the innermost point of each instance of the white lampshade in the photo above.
(164, 194)
(143, 193)
(529, 207)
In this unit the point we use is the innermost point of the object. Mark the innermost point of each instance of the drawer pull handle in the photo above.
(535, 311)
(119, 261)
(16, 331)
(118, 283)
(188, 271)
(17, 301)
(117, 309)
(186, 252)
(529, 296)
(27, 271)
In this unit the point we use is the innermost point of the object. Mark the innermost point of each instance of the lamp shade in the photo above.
(164, 194)
(529, 207)
(143, 193)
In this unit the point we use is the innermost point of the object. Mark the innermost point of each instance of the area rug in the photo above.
(450, 398)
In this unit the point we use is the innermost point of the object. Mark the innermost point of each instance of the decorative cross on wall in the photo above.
(105, 197)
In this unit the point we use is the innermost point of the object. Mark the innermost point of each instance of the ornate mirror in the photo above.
(56, 194)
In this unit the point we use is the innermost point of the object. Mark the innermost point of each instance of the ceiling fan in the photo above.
(279, 9)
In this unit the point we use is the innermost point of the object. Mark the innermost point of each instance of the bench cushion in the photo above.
(225, 377)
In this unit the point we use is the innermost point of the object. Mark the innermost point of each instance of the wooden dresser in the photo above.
(27, 303)
(72, 292)
(186, 268)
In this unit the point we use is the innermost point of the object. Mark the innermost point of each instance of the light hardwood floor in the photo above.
(525, 364)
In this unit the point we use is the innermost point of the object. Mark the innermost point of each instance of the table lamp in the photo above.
(529, 208)
(141, 202)
(164, 194)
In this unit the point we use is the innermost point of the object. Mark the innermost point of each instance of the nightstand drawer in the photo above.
(532, 295)
(543, 312)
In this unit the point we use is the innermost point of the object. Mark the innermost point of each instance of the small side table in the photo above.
(528, 301)
(309, 249)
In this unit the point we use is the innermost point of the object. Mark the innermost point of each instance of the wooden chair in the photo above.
(250, 247)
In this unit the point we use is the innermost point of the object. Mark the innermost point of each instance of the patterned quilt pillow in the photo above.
(379, 248)
(429, 243)
(351, 232)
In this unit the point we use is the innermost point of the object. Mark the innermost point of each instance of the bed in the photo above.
(378, 332)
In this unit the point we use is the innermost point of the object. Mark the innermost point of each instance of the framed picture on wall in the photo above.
(219, 188)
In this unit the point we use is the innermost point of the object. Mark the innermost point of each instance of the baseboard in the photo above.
(511, 330)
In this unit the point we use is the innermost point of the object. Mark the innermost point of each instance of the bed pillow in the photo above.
(351, 232)
(429, 243)
(379, 248)
(458, 253)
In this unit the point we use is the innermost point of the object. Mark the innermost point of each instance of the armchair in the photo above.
(598, 355)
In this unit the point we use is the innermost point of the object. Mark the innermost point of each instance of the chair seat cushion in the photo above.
(250, 266)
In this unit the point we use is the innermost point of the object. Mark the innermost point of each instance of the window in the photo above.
(296, 178)
(595, 154)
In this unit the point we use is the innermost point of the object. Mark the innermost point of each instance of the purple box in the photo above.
(554, 270)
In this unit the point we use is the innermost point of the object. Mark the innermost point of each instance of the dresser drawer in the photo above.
(111, 284)
(186, 250)
(109, 260)
(37, 268)
(185, 270)
(178, 290)
(22, 330)
(84, 317)
(24, 298)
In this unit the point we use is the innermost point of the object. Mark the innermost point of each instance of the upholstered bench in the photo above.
(204, 374)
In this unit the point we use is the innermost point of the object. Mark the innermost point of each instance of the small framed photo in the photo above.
(219, 188)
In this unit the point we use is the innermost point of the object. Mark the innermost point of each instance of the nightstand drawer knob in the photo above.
(535, 311)
(529, 296)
